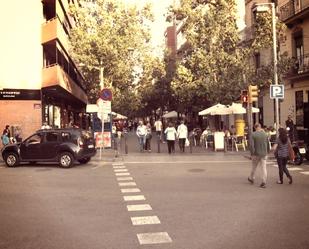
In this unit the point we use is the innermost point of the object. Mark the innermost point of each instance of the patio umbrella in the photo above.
(172, 114)
(118, 116)
(235, 108)
(213, 109)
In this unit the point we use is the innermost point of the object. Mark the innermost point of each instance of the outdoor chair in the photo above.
(209, 139)
(272, 140)
(239, 141)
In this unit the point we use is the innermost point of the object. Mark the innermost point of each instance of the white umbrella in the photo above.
(172, 114)
(215, 108)
(235, 108)
(118, 116)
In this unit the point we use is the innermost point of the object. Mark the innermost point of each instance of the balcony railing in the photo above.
(292, 7)
(301, 66)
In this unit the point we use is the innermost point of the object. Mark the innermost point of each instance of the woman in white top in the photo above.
(141, 133)
(171, 134)
(182, 132)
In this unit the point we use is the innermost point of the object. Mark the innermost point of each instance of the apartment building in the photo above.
(295, 42)
(39, 81)
(295, 14)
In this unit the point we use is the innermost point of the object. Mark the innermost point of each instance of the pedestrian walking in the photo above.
(182, 132)
(171, 134)
(141, 132)
(259, 148)
(5, 138)
(158, 127)
(148, 138)
(290, 127)
(282, 148)
(7, 131)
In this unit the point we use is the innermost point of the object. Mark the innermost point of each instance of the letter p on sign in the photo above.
(277, 91)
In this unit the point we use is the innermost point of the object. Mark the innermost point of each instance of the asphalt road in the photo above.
(196, 201)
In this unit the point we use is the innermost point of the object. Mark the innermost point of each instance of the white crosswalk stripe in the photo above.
(120, 170)
(139, 207)
(121, 184)
(130, 190)
(145, 220)
(119, 167)
(134, 198)
(153, 238)
(126, 178)
(122, 174)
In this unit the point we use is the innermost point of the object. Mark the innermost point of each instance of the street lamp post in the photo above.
(260, 7)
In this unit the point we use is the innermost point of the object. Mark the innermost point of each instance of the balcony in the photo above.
(52, 30)
(294, 11)
(300, 69)
(54, 75)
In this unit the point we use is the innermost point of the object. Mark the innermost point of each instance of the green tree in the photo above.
(117, 37)
(210, 69)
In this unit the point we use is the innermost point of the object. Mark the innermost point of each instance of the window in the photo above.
(35, 139)
(52, 137)
(298, 50)
(66, 137)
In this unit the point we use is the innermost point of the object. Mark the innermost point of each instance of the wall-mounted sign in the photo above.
(20, 94)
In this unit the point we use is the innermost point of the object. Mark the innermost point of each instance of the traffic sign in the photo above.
(106, 94)
(277, 91)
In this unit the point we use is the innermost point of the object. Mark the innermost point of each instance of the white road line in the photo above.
(190, 162)
(118, 164)
(2, 167)
(122, 174)
(126, 184)
(134, 198)
(153, 238)
(145, 220)
(128, 178)
(304, 172)
(119, 167)
(120, 170)
(295, 169)
(130, 190)
(140, 207)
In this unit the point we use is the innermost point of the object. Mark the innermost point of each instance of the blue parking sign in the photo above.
(277, 91)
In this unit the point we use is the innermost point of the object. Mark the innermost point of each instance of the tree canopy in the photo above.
(116, 36)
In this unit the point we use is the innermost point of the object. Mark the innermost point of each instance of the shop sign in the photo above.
(20, 94)
(107, 139)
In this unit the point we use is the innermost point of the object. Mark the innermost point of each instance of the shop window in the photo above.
(299, 105)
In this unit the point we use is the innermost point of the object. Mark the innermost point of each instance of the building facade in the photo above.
(295, 42)
(39, 81)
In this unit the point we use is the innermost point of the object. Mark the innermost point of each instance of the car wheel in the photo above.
(11, 159)
(66, 160)
(84, 160)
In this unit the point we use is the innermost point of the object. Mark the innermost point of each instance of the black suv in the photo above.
(52, 145)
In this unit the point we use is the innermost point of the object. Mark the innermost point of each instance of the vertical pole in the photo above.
(273, 18)
(102, 115)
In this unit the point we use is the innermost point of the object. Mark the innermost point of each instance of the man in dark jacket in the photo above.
(259, 148)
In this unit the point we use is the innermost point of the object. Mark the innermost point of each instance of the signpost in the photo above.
(276, 91)
(105, 107)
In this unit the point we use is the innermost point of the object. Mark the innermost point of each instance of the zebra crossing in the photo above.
(133, 194)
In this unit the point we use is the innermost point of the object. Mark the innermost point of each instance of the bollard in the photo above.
(191, 142)
(125, 143)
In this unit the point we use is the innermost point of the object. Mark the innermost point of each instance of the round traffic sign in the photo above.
(106, 94)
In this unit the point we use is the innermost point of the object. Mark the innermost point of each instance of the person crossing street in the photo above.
(259, 148)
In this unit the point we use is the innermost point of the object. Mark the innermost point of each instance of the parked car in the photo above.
(52, 145)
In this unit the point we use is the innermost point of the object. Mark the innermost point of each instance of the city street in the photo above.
(149, 200)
